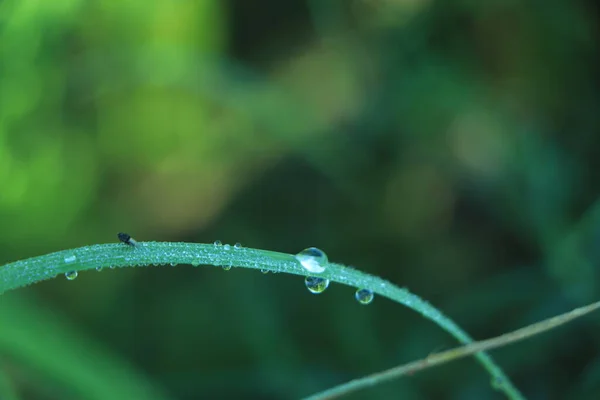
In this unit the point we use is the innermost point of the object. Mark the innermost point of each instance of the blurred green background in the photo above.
(451, 147)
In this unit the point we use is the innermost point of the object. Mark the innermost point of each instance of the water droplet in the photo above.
(313, 260)
(364, 296)
(497, 383)
(226, 267)
(218, 243)
(227, 247)
(264, 271)
(98, 269)
(173, 264)
(71, 275)
(112, 267)
(70, 259)
(316, 285)
(237, 245)
(195, 263)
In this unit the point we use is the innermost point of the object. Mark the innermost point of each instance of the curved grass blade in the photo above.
(35, 269)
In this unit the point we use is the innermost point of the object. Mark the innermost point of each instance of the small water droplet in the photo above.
(98, 269)
(70, 259)
(71, 275)
(195, 263)
(237, 245)
(226, 247)
(173, 264)
(226, 267)
(364, 296)
(218, 243)
(316, 285)
(112, 267)
(264, 271)
(497, 383)
(313, 260)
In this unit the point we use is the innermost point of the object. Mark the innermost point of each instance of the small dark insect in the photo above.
(125, 238)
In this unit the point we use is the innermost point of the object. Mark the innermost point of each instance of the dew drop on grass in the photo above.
(264, 271)
(237, 246)
(226, 247)
(217, 243)
(71, 275)
(70, 259)
(497, 383)
(226, 267)
(98, 269)
(173, 264)
(195, 263)
(315, 284)
(313, 260)
(364, 296)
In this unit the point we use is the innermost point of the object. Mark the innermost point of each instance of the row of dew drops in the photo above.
(316, 261)
(312, 259)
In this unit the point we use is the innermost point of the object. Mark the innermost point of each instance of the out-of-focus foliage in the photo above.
(448, 146)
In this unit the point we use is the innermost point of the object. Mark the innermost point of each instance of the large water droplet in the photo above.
(71, 275)
(364, 296)
(313, 260)
(316, 285)
(218, 243)
(70, 259)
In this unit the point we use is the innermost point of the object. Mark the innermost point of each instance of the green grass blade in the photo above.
(7, 389)
(39, 339)
(25, 272)
(454, 354)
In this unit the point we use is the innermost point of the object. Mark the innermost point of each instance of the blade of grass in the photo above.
(35, 269)
(454, 354)
(40, 339)
(7, 388)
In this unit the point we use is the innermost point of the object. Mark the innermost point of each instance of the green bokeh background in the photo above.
(451, 147)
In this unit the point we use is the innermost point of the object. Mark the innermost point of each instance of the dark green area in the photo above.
(449, 147)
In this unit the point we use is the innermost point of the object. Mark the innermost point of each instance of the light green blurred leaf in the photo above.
(38, 338)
